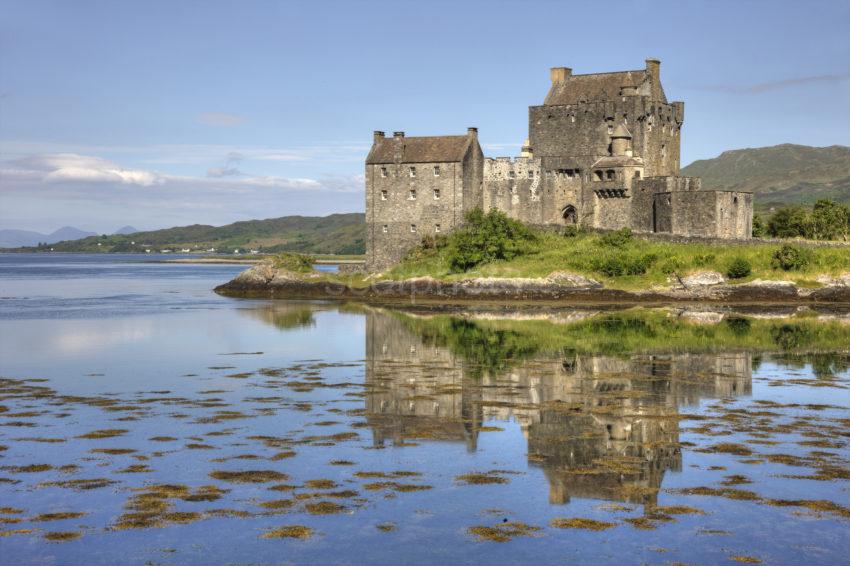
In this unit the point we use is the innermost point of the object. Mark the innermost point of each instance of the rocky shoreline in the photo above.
(264, 281)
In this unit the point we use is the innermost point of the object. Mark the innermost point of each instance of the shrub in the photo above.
(612, 267)
(671, 265)
(571, 231)
(298, 263)
(739, 268)
(789, 258)
(487, 237)
(619, 239)
(618, 265)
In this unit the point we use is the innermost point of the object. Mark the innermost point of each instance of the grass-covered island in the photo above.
(494, 258)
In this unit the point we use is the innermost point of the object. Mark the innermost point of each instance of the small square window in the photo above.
(511, 174)
(413, 171)
(531, 174)
(384, 194)
(437, 228)
(412, 195)
(436, 170)
(413, 228)
(383, 172)
(385, 228)
(436, 194)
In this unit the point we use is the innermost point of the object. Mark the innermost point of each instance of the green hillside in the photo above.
(778, 175)
(334, 234)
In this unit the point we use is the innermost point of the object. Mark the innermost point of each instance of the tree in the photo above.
(788, 222)
(759, 229)
(829, 221)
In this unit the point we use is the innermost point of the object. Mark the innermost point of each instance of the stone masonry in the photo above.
(602, 152)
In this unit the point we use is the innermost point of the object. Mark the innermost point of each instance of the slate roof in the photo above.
(621, 131)
(424, 149)
(593, 87)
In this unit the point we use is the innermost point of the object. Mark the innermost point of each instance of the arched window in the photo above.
(569, 214)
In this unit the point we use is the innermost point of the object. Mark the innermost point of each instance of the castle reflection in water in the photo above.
(601, 427)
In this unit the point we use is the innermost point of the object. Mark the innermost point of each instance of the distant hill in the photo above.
(126, 230)
(334, 234)
(18, 238)
(781, 174)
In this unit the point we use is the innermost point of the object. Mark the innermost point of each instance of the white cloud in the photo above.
(62, 167)
(220, 119)
(39, 191)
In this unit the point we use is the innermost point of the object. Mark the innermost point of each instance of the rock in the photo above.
(259, 274)
(703, 279)
(567, 279)
(772, 284)
(842, 280)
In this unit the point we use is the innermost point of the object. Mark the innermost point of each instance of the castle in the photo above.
(602, 152)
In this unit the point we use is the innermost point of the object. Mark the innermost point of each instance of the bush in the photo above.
(739, 268)
(619, 239)
(612, 267)
(788, 222)
(487, 237)
(789, 258)
(671, 265)
(571, 231)
(616, 266)
(298, 263)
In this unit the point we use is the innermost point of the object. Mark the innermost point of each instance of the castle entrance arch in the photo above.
(569, 214)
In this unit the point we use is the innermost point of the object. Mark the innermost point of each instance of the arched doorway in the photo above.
(569, 214)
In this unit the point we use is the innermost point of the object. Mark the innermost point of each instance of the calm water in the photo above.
(145, 419)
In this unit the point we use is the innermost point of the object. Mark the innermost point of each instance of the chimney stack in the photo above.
(559, 74)
(377, 136)
(653, 69)
(398, 134)
(472, 132)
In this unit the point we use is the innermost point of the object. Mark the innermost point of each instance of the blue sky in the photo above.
(160, 113)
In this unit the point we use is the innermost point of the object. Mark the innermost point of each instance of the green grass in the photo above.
(585, 253)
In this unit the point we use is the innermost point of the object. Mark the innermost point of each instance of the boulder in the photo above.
(703, 279)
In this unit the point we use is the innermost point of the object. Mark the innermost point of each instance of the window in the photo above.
(600, 176)
(383, 172)
(436, 194)
(610, 174)
(413, 171)
(437, 228)
(412, 195)
(511, 174)
(637, 174)
(384, 194)
(531, 174)
(413, 228)
(610, 129)
(663, 150)
(436, 170)
(385, 228)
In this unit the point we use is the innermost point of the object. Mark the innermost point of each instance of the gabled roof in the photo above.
(617, 161)
(594, 87)
(425, 149)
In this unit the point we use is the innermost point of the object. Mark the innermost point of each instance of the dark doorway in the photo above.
(569, 214)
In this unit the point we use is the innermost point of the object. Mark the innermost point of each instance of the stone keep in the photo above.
(602, 152)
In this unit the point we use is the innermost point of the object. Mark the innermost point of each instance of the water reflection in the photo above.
(600, 426)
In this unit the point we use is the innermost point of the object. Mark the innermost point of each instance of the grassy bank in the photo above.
(631, 264)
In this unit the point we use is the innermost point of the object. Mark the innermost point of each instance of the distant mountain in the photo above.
(126, 230)
(781, 174)
(19, 238)
(334, 234)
